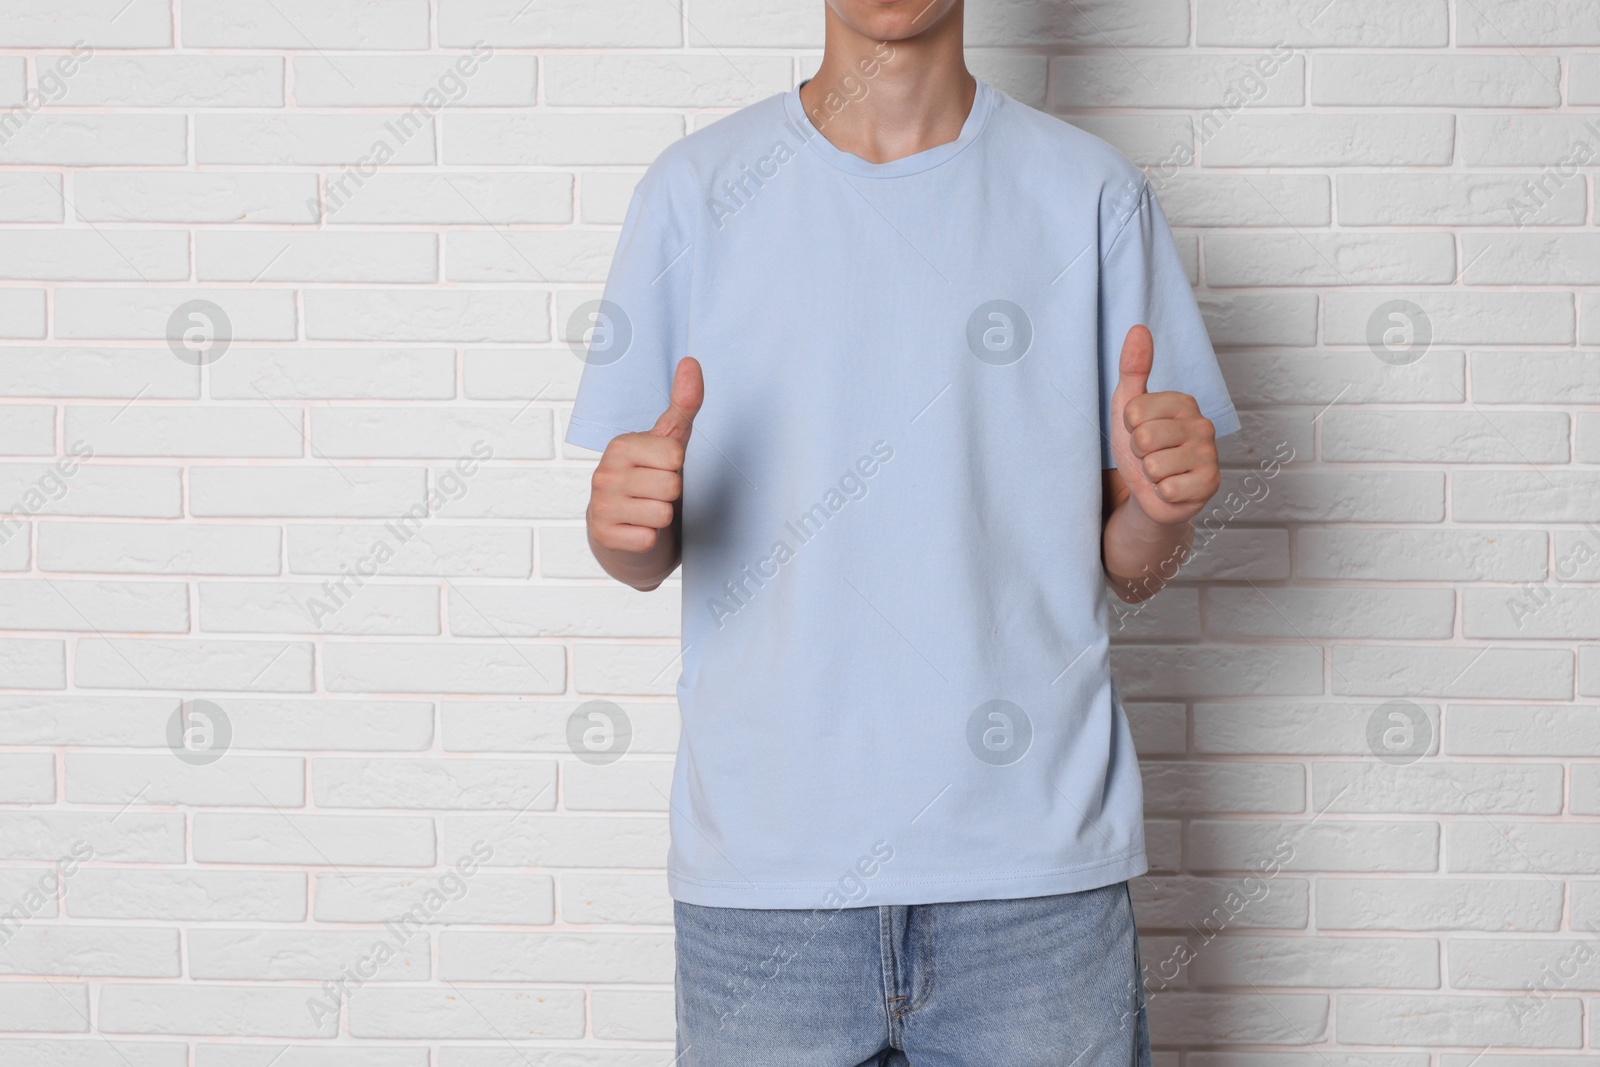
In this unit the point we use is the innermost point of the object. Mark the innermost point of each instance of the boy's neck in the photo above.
(884, 101)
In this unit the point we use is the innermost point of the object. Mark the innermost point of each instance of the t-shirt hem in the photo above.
(1011, 885)
(587, 433)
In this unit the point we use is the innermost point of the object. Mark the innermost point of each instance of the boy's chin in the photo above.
(893, 20)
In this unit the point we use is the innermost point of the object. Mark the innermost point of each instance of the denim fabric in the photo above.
(1034, 982)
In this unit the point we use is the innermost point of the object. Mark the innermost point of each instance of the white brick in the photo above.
(140, 430)
(1311, 962)
(1430, 786)
(1290, 729)
(187, 895)
(605, 195)
(558, 24)
(177, 81)
(22, 313)
(28, 430)
(1444, 437)
(1369, 139)
(634, 899)
(1176, 81)
(496, 956)
(1421, 555)
(444, 551)
(431, 433)
(1531, 259)
(1464, 199)
(544, 256)
(1542, 848)
(177, 196)
(1308, 613)
(464, 199)
(598, 80)
(1247, 1018)
(1529, 904)
(193, 1008)
(1433, 80)
(497, 667)
(1503, 23)
(543, 139)
(488, 1013)
(521, 373)
(1417, 1019)
(1326, 845)
(334, 374)
(98, 140)
(539, 726)
(104, 490)
(308, 608)
(242, 137)
(1308, 23)
(27, 778)
(324, 490)
(1487, 671)
(459, 315)
(430, 82)
(98, 1052)
(1258, 200)
(145, 373)
(1178, 672)
(1532, 612)
(1209, 788)
(1532, 730)
(222, 256)
(1525, 140)
(269, 955)
(61, 719)
(1304, 259)
(95, 255)
(630, 785)
(31, 196)
(43, 604)
(260, 666)
(1458, 317)
(29, 664)
(305, 24)
(157, 548)
(44, 1006)
(513, 899)
(144, 314)
(562, 611)
(313, 840)
(1538, 496)
(455, 784)
(560, 841)
(1521, 964)
(241, 781)
(128, 837)
(98, 23)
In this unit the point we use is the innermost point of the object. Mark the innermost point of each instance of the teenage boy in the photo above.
(875, 364)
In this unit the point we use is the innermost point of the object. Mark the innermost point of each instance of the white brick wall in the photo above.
(1435, 538)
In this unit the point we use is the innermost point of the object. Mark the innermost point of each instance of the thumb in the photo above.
(1138, 355)
(688, 393)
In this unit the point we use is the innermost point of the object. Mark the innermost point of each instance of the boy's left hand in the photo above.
(1165, 450)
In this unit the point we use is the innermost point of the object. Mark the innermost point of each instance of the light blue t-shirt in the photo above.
(895, 680)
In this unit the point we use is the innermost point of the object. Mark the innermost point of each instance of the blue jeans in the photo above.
(1037, 982)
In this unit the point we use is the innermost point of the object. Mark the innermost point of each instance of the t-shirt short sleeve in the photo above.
(1143, 280)
(638, 331)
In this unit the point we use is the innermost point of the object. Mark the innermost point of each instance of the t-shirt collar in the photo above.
(983, 102)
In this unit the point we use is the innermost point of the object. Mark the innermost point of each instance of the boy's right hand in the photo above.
(639, 480)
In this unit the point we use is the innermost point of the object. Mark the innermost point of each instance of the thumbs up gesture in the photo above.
(1165, 449)
(639, 479)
